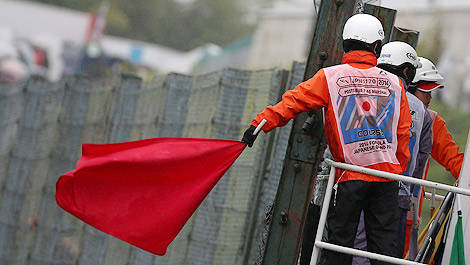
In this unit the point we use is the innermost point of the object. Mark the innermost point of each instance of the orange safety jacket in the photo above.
(314, 94)
(446, 152)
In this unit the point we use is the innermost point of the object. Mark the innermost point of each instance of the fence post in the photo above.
(405, 35)
(386, 16)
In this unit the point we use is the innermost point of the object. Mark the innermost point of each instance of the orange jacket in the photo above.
(444, 150)
(314, 94)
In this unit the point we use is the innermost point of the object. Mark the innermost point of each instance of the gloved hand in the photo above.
(248, 136)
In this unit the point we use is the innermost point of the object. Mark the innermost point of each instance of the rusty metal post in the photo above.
(385, 15)
(406, 35)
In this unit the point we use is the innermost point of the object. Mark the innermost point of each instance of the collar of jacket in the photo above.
(360, 57)
(405, 85)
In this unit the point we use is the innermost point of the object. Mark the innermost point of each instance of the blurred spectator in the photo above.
(11, 68)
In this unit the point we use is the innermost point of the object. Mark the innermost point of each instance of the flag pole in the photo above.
(260, 125)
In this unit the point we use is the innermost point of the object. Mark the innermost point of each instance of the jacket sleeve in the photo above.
(444, 150)
(308, 95)
(425, 146)
(403, 131)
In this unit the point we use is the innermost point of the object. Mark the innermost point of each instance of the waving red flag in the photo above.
(143, 192)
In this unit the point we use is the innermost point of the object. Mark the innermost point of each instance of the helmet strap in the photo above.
(412, 88)
(377, 48)
(405, 71)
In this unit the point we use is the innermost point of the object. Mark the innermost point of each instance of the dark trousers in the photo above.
(403, 206)
(379, 201)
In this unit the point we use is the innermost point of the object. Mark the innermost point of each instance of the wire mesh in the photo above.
(123, 109)
(42, 127)
(273, 174)
(207, 221)
(201, 111)
(171, 122)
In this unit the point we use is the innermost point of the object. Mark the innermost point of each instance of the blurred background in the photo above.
(55, 38)
(116, 70)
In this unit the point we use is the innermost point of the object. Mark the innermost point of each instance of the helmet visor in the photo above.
(425, 86)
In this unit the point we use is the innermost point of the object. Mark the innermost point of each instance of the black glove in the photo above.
(248, 136)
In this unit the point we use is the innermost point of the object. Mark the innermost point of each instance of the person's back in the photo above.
(367, 123)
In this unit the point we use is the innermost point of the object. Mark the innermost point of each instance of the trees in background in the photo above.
(179, 24)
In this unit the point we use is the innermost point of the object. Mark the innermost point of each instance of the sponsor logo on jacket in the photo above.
(360, 85)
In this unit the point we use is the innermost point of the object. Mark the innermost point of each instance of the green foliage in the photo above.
(118, 21)
(180, 25)
(82, 5)
(430, 46)
(457, 121)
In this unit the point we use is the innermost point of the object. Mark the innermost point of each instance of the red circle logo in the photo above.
(366, 106)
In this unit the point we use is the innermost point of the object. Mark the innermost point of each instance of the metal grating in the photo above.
(42, 127)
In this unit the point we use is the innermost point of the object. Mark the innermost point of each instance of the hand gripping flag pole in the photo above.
(143, 192)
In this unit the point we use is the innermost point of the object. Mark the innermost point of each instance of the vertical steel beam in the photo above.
(385, 15)
(327, 48)
(405, 35)
(304, 151)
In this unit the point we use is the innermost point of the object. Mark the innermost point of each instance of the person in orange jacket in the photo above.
(444, 149)
(367, 122)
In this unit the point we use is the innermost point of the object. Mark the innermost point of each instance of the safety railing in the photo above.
(326, 202)
(433, 196)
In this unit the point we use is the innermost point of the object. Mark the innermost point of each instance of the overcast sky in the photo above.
(417, 4)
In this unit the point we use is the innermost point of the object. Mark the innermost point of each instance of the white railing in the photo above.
(433, 196)
(326, 202)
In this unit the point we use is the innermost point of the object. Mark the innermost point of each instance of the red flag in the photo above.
(143, 192)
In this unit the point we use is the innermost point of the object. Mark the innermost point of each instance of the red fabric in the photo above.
(143, 192)
(429, 86)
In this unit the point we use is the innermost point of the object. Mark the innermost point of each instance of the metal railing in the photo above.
(326, 202)
(433, 196)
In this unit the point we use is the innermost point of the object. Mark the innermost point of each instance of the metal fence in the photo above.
(42, 126)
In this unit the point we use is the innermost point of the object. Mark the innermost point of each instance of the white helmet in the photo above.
(397, 53)
(427, 72)
(363, 27)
